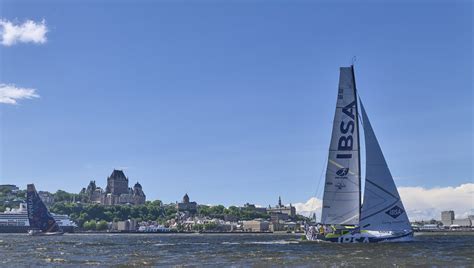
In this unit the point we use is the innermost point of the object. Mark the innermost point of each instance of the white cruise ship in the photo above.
(16, 221)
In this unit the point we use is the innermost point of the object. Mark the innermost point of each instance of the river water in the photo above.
(441, 249)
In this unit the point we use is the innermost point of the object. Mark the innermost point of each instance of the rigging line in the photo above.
(320, 178)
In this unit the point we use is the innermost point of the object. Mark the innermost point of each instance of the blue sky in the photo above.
(233, 102)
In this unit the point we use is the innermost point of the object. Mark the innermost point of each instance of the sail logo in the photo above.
(395, 212)
(342, 172)
(346, 141)
(340, 185)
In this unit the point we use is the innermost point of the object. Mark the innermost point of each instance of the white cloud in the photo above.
(425, 204)
(420, 203)
(307, 209)
(29, 31)
(10, 94)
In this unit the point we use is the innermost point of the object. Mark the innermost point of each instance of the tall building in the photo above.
(116, 191)
(117, 183)
(447, 217)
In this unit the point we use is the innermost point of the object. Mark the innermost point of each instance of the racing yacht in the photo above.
(41, 221)
(381, 217)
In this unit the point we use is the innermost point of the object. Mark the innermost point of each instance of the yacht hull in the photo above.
(39, 233)
(363, 237)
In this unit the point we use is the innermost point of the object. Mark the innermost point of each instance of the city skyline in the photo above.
(422, 204)
(233, 103)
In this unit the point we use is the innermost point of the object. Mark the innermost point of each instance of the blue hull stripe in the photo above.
(372, 239)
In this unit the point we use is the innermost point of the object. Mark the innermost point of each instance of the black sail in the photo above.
(38, 214)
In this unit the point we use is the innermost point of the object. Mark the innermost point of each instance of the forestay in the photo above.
(382, 209)
(341, 200)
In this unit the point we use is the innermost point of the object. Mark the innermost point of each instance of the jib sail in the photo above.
(382, 209)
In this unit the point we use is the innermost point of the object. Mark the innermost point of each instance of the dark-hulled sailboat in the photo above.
(382, 217)
(41, 221)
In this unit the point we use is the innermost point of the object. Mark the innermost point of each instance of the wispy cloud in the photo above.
(10, 93)
(420, 203)
(27, 32)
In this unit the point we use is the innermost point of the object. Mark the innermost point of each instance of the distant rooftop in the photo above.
(118, 174)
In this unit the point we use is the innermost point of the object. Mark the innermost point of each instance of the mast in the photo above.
(358, 137)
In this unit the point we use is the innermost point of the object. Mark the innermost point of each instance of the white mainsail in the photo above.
(341, 200)
(382, 209)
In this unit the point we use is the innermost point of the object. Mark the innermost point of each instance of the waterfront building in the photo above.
(282, 209)
(429, 227)
(282, 222)
(278, 216)
(447, 217)
(125, 226)
(152, 227)
(461, 223)
(257, 226)
(187, 206)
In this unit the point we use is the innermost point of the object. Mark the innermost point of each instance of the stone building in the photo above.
(138, 194)
(257, 226)
(117, 183)
(282, 209)
(94, 193)
(186, 205)
(116, 191)
(252, 207)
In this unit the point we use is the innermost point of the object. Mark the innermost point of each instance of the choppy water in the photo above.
(229, 250)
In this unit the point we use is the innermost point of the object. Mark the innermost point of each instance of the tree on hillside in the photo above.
(101, 225)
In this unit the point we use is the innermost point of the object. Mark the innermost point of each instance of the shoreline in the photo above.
(441, 233)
